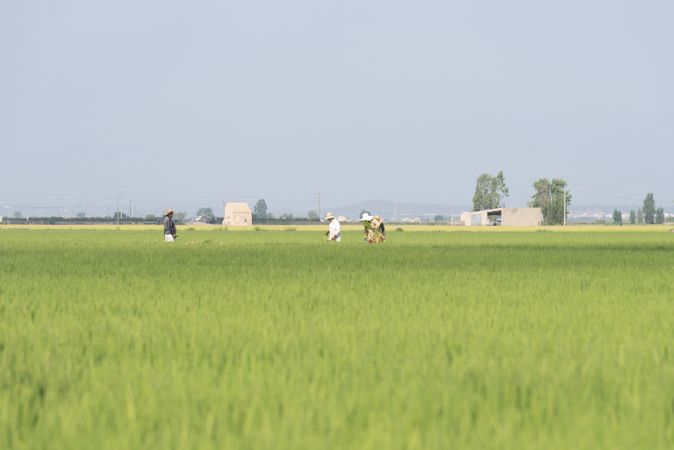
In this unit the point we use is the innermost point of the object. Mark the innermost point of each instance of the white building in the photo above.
(507, 217)
(238, 214)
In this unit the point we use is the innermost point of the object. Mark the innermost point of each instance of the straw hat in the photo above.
(366, 217)
(168, 211)
(329, 216)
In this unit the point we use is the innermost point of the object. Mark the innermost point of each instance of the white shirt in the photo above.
(333, 230)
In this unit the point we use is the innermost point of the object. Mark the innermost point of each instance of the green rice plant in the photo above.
(506, 340)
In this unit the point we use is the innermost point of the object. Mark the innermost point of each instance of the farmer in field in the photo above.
(373, 228)
(169, 227)
(334, 228)
(378, 224)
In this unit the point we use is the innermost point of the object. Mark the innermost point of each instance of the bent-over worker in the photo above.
(373, 228)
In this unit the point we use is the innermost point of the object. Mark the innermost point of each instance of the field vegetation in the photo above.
(278, 340)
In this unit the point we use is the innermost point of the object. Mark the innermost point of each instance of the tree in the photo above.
(18, 215)
(206, 214)
(617, 217)
(439, 219)
(151, 218)
(633, 217)
(550, 197)
(313, 216)
(649, 209)
(660, 216)
(260, 210)
(640, 216)
(180, 217)
(489, 191)
(80, 215)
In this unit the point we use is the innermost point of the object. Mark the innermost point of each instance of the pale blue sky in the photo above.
(410, 101)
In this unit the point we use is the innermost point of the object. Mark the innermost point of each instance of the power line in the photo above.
(616, 197)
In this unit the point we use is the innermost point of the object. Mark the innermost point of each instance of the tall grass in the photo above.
(276, 340)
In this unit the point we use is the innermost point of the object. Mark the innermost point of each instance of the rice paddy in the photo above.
(278, 340)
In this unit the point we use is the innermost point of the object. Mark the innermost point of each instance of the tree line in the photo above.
(262, 215)
(554, 199)
(647, 214)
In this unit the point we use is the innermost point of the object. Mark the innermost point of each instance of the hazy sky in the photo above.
(197, 100)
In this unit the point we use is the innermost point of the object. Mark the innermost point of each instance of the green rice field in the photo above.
(112, 339)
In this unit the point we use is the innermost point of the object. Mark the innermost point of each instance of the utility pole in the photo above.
(118, 212)
(130, 214)
(565, 207)
(319, 206)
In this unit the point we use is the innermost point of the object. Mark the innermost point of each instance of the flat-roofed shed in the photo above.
(507, 217)
(238, 214)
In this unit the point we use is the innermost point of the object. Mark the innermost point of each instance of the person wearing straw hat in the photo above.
(334, 228)
(378, 224)
(169, 226)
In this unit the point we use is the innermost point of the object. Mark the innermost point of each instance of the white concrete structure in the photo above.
(238, 214)
(507, 217)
